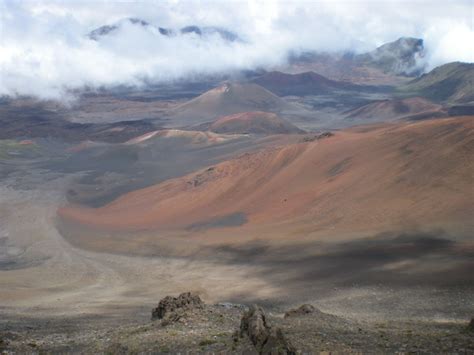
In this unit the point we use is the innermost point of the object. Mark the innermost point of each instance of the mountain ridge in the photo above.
(204, 31)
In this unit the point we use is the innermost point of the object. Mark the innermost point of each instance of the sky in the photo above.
(45, 51)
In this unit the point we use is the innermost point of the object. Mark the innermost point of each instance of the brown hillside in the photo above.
(397, 176)
(384, 110)
(227, 99)
(308, 83)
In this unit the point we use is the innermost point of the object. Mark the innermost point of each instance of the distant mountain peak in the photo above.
(205, 31)
(107, 29)
(137, 21)
(211, 30)
(399, 57)
(404, 48)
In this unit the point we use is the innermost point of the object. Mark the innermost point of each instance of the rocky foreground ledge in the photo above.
(185, 324)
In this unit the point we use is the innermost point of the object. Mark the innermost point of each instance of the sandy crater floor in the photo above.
(41, 273)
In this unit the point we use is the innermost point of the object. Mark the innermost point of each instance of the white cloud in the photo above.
(456, 44)
(44, 50)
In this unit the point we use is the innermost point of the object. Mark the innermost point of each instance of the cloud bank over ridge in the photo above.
(45, 50)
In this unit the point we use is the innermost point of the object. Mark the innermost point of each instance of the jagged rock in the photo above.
(265, 339)
(254, 325)
(171, 309)
(277, 344)
(300, 311)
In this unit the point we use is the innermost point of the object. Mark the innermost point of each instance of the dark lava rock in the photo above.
(470, 327)
(3, 343)
(325, 135)
(317, 137)
(265, 339)
(300, 311)
(171, 309)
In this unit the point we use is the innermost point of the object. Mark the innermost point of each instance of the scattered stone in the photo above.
(118, 349)
(300, 311)
(265, 339)
(317, 137)
(171, 309)
(229, 305)
(207, 342)
(3, 343)
(325, 135)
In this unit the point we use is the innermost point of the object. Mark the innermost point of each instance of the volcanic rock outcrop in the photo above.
(267, 340)
(171, 309)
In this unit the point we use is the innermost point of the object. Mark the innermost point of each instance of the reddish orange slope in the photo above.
(392, 177)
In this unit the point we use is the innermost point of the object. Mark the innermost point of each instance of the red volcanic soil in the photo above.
(253, 122)
(410, 108)
(396, 176)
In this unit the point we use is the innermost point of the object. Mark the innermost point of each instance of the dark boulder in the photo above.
(300, 311)
(470, 327)
(3, 343)
(266, 340)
